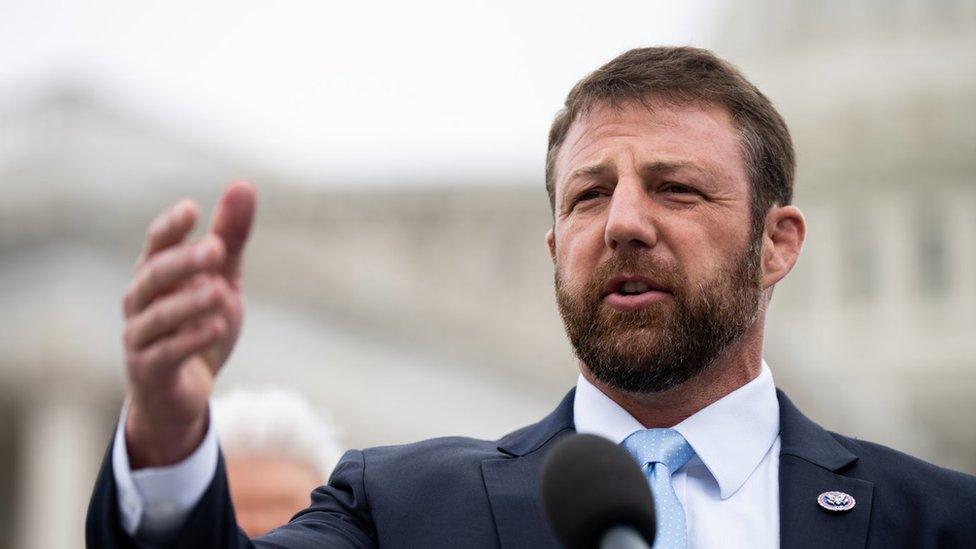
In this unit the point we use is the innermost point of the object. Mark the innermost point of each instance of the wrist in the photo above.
(161, 443)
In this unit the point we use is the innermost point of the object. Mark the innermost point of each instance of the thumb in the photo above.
(232, 223)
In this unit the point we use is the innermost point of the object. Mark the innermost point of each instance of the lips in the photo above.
(629, 292)
(631, 285)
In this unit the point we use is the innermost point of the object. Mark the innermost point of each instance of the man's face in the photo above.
(267, 491)
(657, 271)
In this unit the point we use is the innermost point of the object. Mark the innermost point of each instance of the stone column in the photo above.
(896, 241)
(961, 224)
(62, 440)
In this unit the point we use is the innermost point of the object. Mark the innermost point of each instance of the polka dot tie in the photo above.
(661, 452)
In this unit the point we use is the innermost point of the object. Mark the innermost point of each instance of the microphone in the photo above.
(595, 495)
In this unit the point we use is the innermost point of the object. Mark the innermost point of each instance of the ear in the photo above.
(781, 243)
(551, 243)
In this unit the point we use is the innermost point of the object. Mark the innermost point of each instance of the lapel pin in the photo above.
(836, 501)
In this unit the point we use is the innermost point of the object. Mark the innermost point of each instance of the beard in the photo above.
(663, 345)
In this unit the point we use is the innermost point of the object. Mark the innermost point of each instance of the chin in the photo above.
(636, 341)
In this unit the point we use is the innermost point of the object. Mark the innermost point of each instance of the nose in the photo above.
(629, 217)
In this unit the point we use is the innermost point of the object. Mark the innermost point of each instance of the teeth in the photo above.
(634, 287)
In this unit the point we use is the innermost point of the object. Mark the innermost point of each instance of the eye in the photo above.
(589, 195)
(677, 188)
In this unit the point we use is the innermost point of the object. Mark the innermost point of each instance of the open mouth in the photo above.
(633, 292)
(633, 287)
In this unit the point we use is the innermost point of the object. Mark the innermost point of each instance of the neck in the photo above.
(736, 366)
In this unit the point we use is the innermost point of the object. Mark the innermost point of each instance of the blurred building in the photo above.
(424, 312)
(873, 331)
(411, 314)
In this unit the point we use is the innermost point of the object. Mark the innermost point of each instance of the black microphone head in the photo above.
(590, 485)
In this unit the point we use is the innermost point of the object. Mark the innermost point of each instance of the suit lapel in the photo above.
(512, 481)
(812, 462)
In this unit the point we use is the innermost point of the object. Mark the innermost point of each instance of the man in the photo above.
(670, 178)
(276, 449)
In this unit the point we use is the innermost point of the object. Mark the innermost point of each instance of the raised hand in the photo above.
(183, 313)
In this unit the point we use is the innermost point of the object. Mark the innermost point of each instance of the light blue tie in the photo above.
(661, 452)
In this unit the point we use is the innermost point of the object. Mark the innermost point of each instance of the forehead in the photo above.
(701, 134)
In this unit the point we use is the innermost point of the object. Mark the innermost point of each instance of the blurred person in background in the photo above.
(277, 448)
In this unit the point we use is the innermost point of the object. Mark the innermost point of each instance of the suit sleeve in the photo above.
(338, 516)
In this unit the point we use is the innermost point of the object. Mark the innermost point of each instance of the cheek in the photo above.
(701, 251)
(579, 246)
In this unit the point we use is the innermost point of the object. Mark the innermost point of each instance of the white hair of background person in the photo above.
(276, 422)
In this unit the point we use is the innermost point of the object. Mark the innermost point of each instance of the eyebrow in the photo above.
(667, 167)
(596, 169)
(653, 168)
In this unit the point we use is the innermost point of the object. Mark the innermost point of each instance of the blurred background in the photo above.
(397, 273)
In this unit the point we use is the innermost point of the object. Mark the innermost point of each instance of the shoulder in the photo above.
(449, 464)
(876, 463)
(909, 498)
(465, 452)
(444, 462)
(439, 477)
(920, 487)
(910, 471)
(433, 452)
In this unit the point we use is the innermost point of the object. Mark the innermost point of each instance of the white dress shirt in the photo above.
(730, 489)
(156, 500)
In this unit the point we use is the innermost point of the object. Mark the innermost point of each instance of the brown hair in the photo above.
(682, 75)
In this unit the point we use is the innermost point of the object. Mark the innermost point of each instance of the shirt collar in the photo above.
(731, 436)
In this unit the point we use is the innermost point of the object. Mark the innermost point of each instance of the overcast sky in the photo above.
(340, 92)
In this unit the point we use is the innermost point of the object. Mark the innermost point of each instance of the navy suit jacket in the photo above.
(460, 492)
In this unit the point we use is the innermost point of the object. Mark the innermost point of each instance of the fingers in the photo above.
(182, 319)
(183, 299)
(169, 228)
(167, 314)
(232, 223)
(167, 269)
(165, 354)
